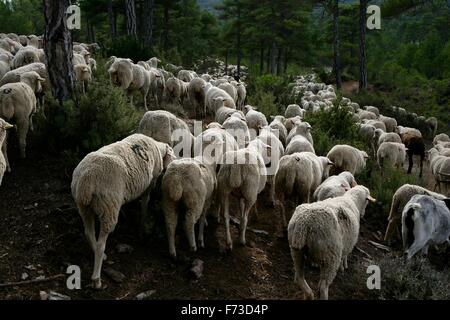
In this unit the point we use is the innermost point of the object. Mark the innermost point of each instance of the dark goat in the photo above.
(415, 146)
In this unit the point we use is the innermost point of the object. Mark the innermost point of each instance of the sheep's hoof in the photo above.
(194, 249)
(8, 169)
(105, 257)
(242, 243)
(201, 245)
(97, 284)
(309, 296)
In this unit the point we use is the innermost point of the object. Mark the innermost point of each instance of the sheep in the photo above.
(399, 200)
(186, 75)
(406, 130)
(299, 144)
(294, 110)
(238, 128)
(14, 75)
(165, 127)
(393, 152)
(4, 126)
(10, 45)
(83, 75)
(110, 177)
(5, 64)
(242, 95)
(347, 158)
(18, 101)
(291, 123)
(390, 123)
(255, 119)
(326, 232)
(158, 85)
(230, 89)
(34, 41)
(302, 129)
(246, 177)
(432, 125)
(425, 221)
(368, 115)
(93, 65)
(206, 77)
(380, 136)
(213, 93)
(440, 167)
(131, 77)
(415, 146)
(191, 182)
(79, 59)
(277, 126)
(24, 56)
(197, 95)
(443, 149)
(213, 143)
(335, 186)
(23, 40)
(373, 109)
(298, 177)
(176, 89)
(442, 137)
(367, 132)
(376, 123)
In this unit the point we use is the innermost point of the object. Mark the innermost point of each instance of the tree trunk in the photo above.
(362, 45)
(238, 41)
(274, 57)
(58, 49)
(336, 62)
(226, 61)
(166, 24)
(130, 17)
(268, 60)
(261, 62)
(286, 59)
(279, 62)
(148, 22)
(112, 20)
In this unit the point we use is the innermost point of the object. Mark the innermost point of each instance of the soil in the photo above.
(41, 234)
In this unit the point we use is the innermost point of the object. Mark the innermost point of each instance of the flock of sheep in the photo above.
(237, 156)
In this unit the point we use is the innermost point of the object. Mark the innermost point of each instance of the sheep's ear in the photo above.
(7, 126)
(371, 199)
(330, 163)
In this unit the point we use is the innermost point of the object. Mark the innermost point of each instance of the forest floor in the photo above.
(41, 234)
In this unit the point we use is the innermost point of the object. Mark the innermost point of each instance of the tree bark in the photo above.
(286, 59)
(148, 22)
(268, 60)
(130, 17)
(112, 20)
(336, 62)
(274, 58)
(362, 45)
(58, 49)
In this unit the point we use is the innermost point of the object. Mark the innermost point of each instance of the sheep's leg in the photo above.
(425, 251)
(89, 227)
(392, 225)
(245, 210)
(299, 278)
(23, 126)
(171, 218)
(99, 254)
(144, 95)
(189, 224)
(226, 217)
(5, 152)
(418, 244)
(144, 210)
(201, 242)
(410, 165)
(345, 262)
(421, 165)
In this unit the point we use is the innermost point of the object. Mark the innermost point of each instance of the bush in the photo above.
(103, 116)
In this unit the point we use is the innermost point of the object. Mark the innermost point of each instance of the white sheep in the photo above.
(299, 144)
(406, 130)
(191, 182)
(165, 127)
(243, 171)
(5, 63)
(131, 77)
(298, 177)
(214, 93)
(376, 123)
(18, 101)
(302, 129)
(242, 95)
(186, 75)
(440, 167)
(110, 177)
(176, 90)
(294, 110)
(3, 164)
(380, 136)
(277, 126)
(230, 89)
(291, 123)
(93, 65)
(425, 221)
(373, 109)
(367, 132)
(197, 95)
(399, 200)
(83, 75)
(347, 158)
(335, 186)
(325, 233)
(442, 137)
(14, 75)
(237, 127)
(366, 115)
(390, 123)
(255, 120)
(392, 152)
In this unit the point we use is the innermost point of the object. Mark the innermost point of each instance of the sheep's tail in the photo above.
(176, 189)
(84, 190)
(235, 176)
(289, 182)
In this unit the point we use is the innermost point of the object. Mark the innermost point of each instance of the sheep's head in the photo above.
(218, 103)
(33, 79)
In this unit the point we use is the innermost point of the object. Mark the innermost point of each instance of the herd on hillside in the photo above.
(324, 226)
